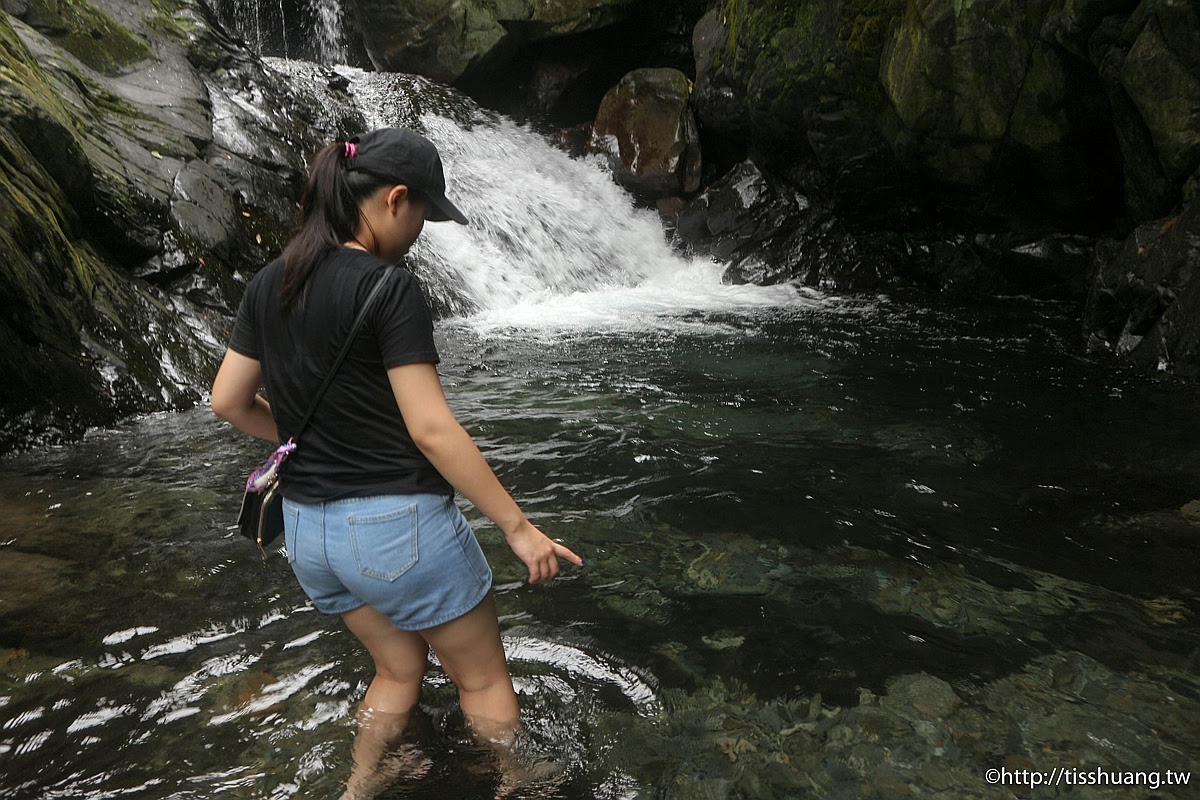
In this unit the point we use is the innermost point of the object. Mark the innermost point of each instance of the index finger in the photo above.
(562, 551)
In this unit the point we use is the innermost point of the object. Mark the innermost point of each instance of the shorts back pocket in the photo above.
(385, 545)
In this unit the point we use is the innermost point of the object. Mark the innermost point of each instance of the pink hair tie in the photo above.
(351, 150)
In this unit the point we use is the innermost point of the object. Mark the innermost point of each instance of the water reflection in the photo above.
(882, 547)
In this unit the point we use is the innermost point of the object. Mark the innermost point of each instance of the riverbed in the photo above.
(836, 547)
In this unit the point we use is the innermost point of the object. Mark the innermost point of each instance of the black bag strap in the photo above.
(341, 356)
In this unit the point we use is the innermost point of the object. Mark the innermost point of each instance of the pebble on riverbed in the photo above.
(922, 738)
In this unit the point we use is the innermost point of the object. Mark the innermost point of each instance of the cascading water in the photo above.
(331, 46)
(552, 240)
(816, 543)
(311, 29)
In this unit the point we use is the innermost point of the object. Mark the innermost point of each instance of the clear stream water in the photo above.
(815, 498)
(837, 547)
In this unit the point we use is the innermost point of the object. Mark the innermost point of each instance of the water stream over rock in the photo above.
(838, 547)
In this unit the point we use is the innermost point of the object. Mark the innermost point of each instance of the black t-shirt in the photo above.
(356, 444)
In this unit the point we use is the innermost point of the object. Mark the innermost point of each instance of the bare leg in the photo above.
(400, 661)
(470, 650)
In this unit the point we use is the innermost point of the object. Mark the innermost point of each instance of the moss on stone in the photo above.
(867, 31)
(169, 18)
(26, 85)
(87, 33)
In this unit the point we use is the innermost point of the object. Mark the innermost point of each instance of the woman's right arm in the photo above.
(235, 396)
(450, 449)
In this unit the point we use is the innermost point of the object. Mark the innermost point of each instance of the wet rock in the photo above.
(1162, 76)
(448, 40)
(770, 233)
(87, 32)
(741, 213)
(646, 129)
(1144, 300)
(124, 229)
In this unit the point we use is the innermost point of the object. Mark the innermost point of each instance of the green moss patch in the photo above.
(87, 33)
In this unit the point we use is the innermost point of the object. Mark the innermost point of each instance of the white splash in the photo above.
(553, 242)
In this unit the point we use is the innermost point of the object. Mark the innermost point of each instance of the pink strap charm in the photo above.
(261, 478)
(350, 151)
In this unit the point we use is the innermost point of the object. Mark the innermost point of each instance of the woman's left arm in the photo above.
(235, 397)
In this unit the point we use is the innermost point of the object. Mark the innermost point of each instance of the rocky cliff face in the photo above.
(449, 40)
(976, 146)
(148, 164)
(142, 181)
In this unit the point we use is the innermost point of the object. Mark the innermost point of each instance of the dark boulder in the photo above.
(646, 129)
(449, 39)
(1162, 76)
(984, 110)
(1067, 112)
(770, 233)
(799, 81)
(1145, 300)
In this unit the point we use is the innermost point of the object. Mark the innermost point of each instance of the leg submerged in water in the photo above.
(470, 651)
(400, 661)
(473, 656)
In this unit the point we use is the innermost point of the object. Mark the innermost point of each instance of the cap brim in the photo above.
(442, 210)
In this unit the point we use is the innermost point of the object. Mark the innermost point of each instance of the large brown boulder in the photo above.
(646, 129)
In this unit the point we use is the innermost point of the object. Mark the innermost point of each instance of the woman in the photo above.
(371, 528)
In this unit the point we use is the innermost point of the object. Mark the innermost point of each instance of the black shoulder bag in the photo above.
(261, 517)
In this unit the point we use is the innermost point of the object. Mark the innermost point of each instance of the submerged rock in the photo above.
(921, 738)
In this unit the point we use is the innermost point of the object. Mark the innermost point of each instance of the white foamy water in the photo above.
(553, 242)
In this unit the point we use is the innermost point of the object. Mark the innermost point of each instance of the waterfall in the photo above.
(283, 28)
(331, 46)
(552, 239)
(309, 29)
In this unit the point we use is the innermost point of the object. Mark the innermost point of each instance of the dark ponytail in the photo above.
(329, 216)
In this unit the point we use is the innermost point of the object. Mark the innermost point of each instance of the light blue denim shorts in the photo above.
(412, 557)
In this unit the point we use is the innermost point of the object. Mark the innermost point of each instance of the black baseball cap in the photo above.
(407, 157)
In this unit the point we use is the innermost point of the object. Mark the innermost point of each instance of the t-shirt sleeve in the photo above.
(404, 324)
(244, 338)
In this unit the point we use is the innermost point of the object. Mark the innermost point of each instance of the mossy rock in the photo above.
(1164, 84)
(86, 32)
(800, 78)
